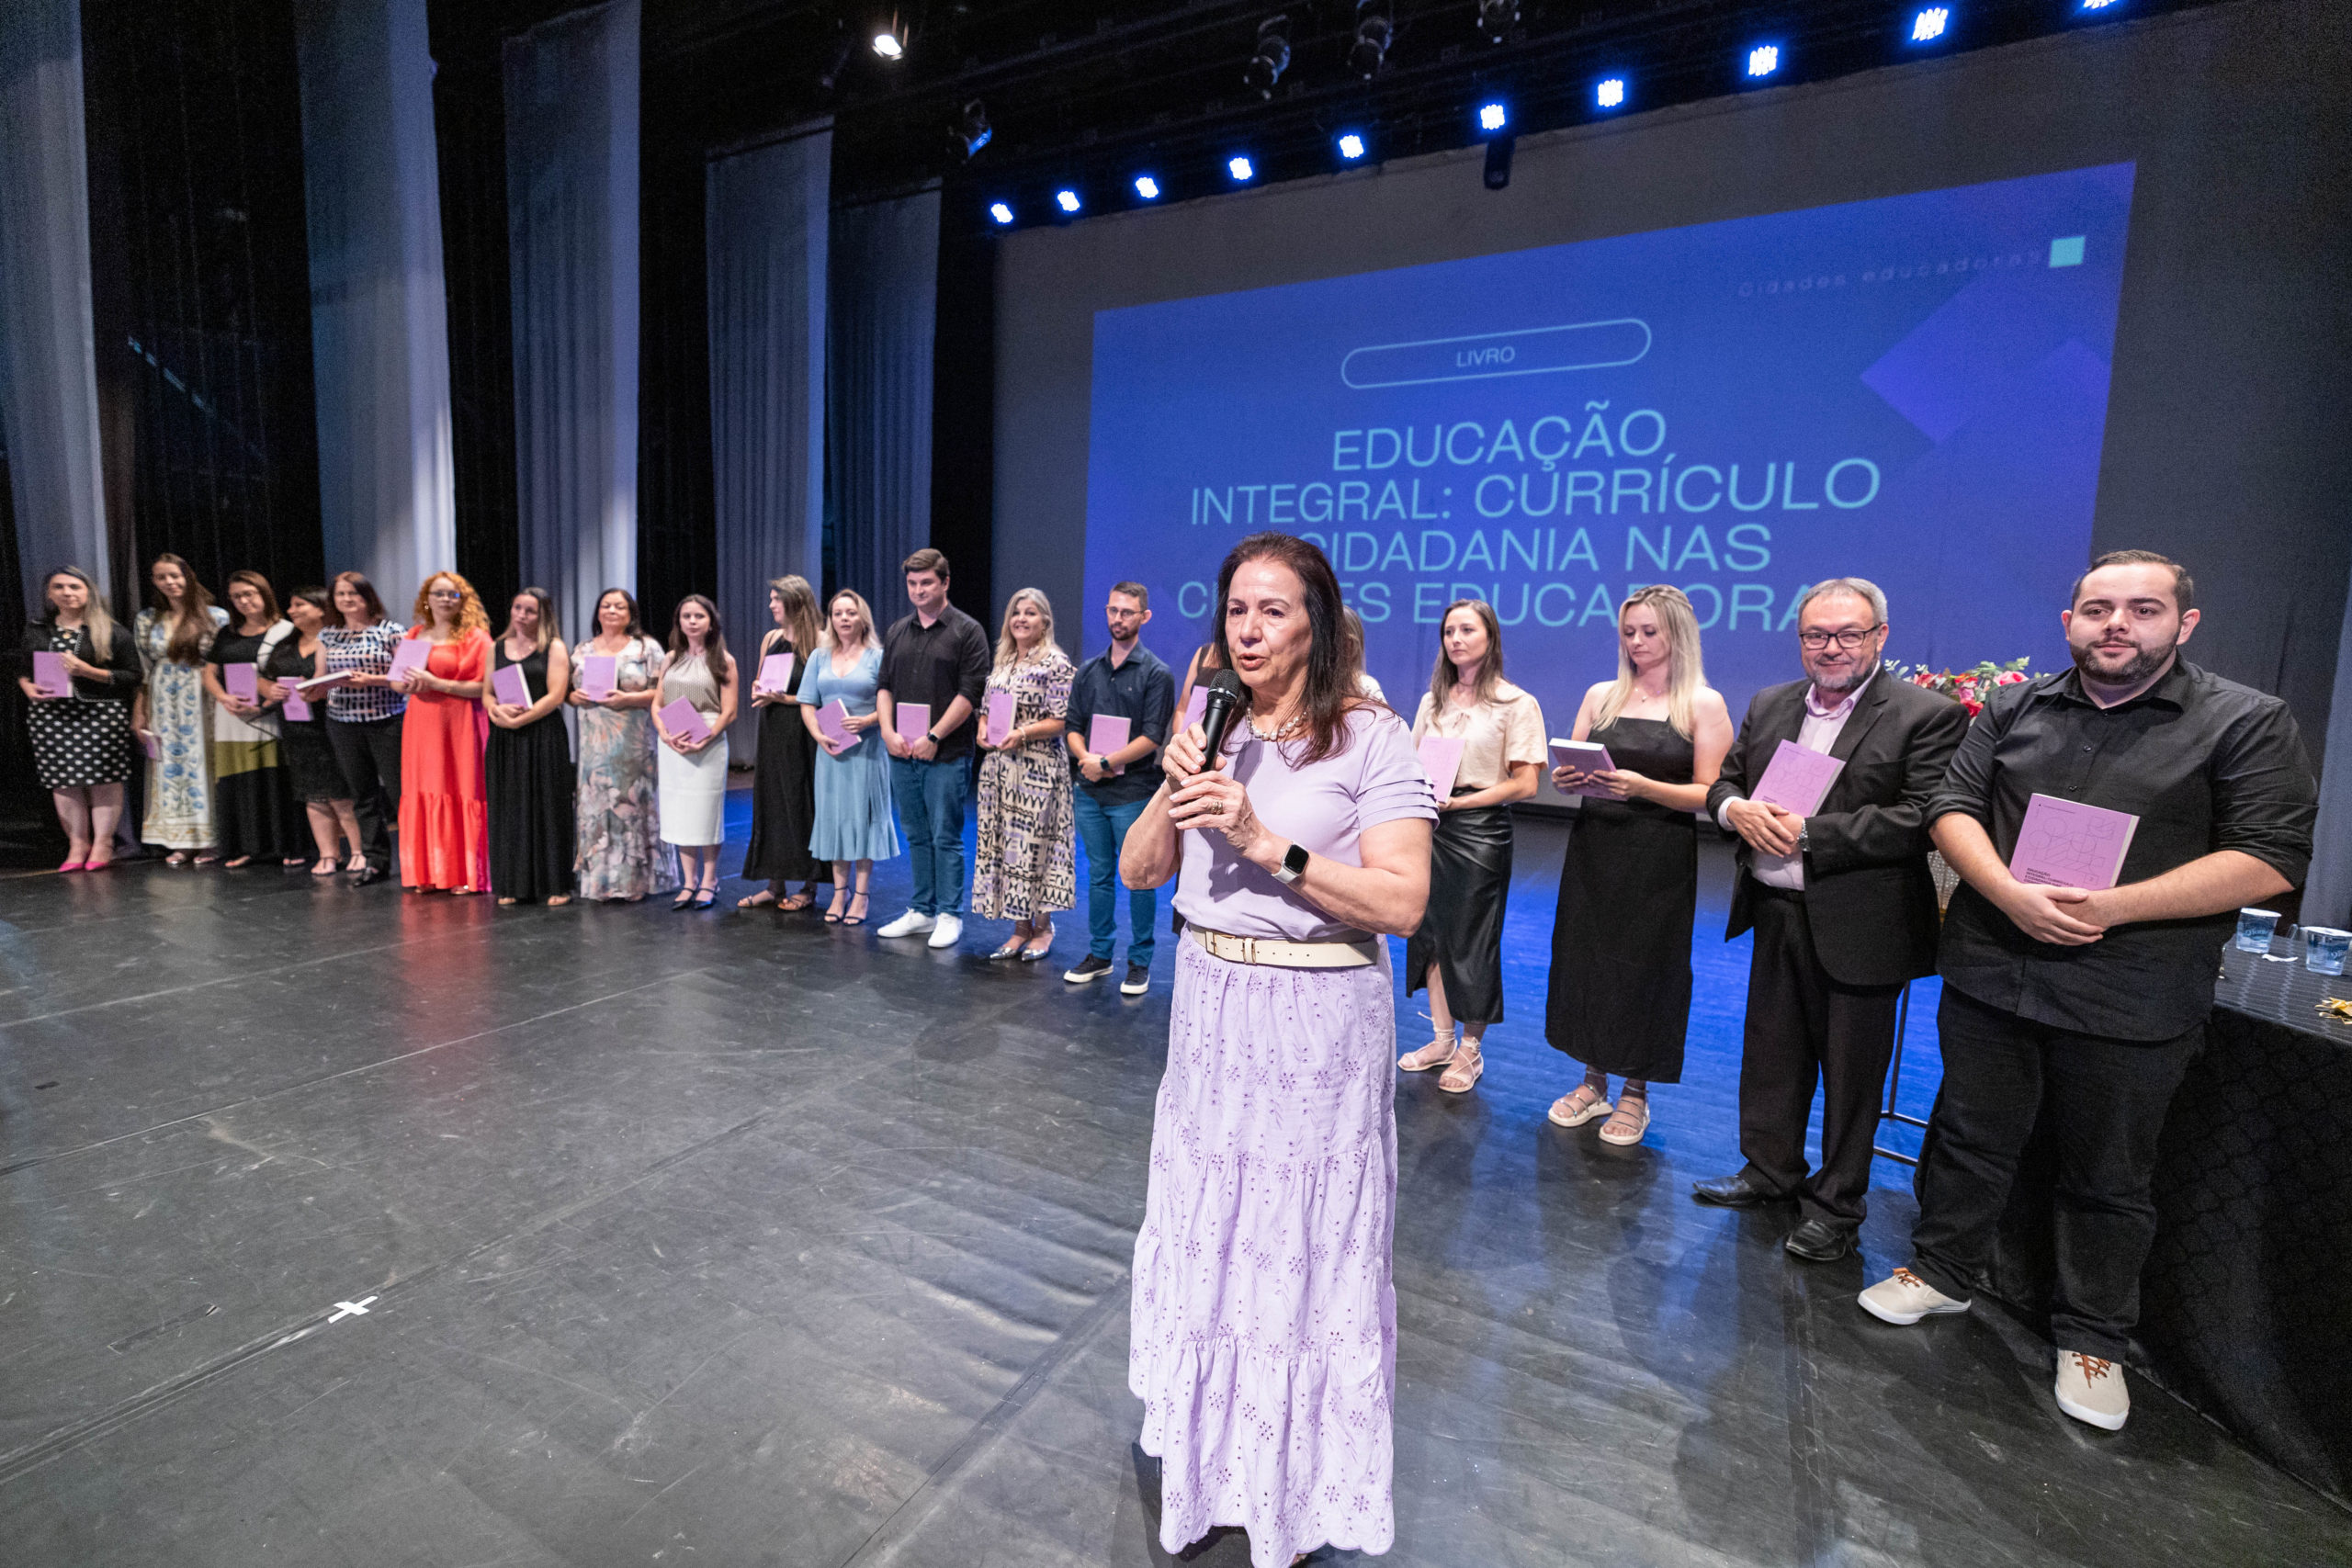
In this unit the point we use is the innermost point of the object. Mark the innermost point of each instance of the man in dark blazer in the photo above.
(1842, 905)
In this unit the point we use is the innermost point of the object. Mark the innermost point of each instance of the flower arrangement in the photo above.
(1970, 687)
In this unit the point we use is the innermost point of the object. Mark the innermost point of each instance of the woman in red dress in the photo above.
(444, 815)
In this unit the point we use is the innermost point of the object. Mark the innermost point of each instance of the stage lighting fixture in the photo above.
(1000, 212)
(1350, 146)
(1241, 169)
(1147, 187)
(1067, 199)
(1374, 29)
(841, 51)
(1609, 92)
(1493, 117)
(1273, 58)
(1498, 153)
(2100, 5)
(1930, 24)
(1497, 18)
(969, 130)
(1763, 59)
(888, 44)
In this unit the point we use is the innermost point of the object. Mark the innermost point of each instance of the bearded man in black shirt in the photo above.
(2096, 998)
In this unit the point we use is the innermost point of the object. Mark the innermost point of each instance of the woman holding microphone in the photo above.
(1297, 845)
(1629, 889)
(1459, 949)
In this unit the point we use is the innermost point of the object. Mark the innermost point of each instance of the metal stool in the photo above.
(1894, 1082)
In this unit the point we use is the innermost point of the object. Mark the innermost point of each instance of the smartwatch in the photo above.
(1294, 865)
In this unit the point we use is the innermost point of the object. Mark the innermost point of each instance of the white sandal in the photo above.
(1436, 1054)
(1626, 1104)
(1468, 1059)
(1565, 1112)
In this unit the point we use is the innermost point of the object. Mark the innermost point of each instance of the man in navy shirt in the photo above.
(1126, 682)
(2087, 1005)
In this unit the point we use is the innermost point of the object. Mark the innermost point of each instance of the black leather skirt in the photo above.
(1461, 931)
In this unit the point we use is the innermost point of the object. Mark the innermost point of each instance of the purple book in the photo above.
(1442, 759)
(295, 708)
(1585, 757)
(2064, 843)
(999, 717)
(1796, 780)
(683, 722)
(506, 683)
(409, 658)
(598, 671)
(49, 674)
(239, 681)
(776, 675)
(832, 722)
(1106, 733)
(913, 720)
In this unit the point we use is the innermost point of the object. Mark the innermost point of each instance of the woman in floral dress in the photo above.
(1027, 854)
(621, 854)
(173, 712)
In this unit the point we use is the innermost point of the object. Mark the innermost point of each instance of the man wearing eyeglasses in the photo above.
(1842, 905)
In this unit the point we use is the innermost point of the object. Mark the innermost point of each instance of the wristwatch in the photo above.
(1294, 865)
(1805, 842)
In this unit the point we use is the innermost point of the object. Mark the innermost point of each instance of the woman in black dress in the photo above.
(82, 741)
(526, 765)
(311, 766)
(784, 785)
(1629, 890)
(252, 798)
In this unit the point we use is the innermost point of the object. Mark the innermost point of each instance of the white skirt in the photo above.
(693, 795)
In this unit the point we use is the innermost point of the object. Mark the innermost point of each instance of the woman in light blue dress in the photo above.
(853, 821)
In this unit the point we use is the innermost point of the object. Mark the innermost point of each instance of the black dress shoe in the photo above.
(1731, 1192)
(1818, 1241)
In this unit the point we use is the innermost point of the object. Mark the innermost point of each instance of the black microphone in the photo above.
(1216, 713)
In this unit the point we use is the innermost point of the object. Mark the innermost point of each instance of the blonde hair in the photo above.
(1686, 675)
(95, 619)
(865, 619)
(1007, 650)
(801, 617)
(472, 616)
(1490, 668)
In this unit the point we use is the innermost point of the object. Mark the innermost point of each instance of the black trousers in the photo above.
(368, 752)
(1804, 1028)
(2107, 1098)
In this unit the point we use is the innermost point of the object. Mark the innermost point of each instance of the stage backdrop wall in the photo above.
(2194, 373)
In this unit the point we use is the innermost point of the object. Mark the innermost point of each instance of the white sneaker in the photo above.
(1903, 1298)
(948, 931)
(2092, 1390)
(908, 924)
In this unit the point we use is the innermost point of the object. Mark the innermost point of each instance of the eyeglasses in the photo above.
(1849, 640)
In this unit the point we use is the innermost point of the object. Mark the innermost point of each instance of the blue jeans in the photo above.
(930, 797)
(1103, 829)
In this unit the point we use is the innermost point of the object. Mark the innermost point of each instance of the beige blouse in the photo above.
(1506, 730)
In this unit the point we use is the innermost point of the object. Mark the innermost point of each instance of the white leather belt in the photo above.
(1286, 954)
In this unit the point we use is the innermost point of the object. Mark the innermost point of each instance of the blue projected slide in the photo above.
(1912, 390)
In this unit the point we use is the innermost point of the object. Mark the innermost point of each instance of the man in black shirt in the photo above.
(939, 657)
(2096, 999)
(1124, 681)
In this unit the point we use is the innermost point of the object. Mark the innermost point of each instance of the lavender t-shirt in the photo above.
(1324, 806)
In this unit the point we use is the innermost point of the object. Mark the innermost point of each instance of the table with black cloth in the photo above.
(2246, 1307)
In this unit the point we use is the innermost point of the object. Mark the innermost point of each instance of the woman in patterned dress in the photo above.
(1027, 854)
(172, 713)
(81, 740)
(620, 854)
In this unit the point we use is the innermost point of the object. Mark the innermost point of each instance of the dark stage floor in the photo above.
(746, 1240)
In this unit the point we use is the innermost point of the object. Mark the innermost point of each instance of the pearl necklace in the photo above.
(1288, 728)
